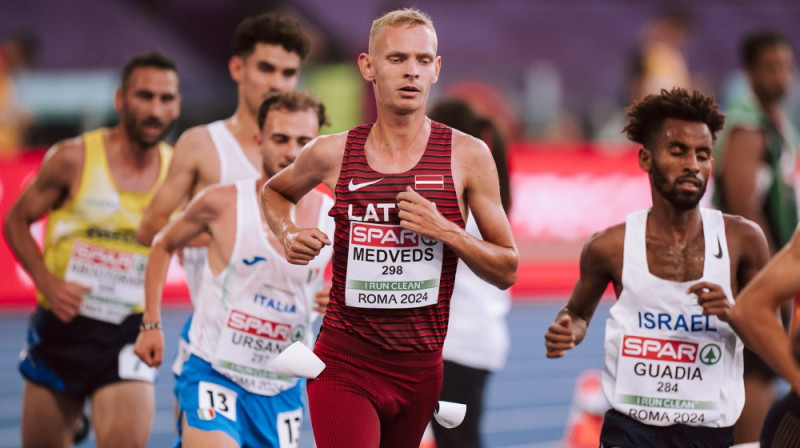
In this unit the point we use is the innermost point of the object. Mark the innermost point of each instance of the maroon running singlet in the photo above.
(382, 335)
(392, 287)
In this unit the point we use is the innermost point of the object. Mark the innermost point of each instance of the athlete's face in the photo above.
(283, 135)
(402, 66)
(772, 74)
(148, 104)
(680, 162)
(269, 68)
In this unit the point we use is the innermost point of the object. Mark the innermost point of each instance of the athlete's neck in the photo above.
(395, 147)
(675, 224)
(399, 133)
(120, 146)
(244, 126)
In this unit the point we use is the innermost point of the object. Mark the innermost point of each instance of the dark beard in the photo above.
(134, 131)
(681, 201)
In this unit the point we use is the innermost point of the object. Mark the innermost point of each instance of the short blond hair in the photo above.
(399, 17)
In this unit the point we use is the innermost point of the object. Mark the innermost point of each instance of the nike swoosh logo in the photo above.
(354, 187)
(255, 260)
(719, 249)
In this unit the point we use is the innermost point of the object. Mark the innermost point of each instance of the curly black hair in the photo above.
(270, 28)
(646, 117)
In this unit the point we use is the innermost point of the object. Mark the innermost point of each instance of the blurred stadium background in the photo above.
(554, 74)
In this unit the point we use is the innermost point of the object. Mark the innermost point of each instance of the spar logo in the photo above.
(259, 327)
(710, 354)
(659, 349)
(98, 256)
(382, 235)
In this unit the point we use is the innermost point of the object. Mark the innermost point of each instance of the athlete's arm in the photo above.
(742, 160)
(755, 312)
(54, 185)
(176, 189)
(318, 162)
(600, 258)
(493, 258)
(196, 219)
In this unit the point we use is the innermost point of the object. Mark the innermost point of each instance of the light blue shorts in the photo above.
(212, 402)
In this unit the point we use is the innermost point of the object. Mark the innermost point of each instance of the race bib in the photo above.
(115, 278)
(254, 334)
(214, 399)
(669, 381)
(391, 267)
(288, 426)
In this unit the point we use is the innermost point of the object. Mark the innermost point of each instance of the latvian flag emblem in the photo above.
(206, 414)
(429, 182)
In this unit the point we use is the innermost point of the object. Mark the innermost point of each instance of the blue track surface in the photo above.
(527, 402)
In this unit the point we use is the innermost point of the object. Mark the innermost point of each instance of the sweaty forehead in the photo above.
(694, 132)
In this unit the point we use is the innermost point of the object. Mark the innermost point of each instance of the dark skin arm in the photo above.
(600, 264)
(755, 313)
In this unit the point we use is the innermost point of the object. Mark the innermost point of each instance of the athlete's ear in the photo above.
(118, 100)
(645, 159)
(365, 65)
(258, 138)
(437, 68)
(235, 68)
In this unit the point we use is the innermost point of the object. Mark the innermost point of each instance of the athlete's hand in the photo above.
(421, 216)
(304, 244)
(559, 338)
(65, 298)
(321, 299)
(713, 300)
(149, 347)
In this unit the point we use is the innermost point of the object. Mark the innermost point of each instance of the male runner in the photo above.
(754, 316)
(89, 277)
(251, 303)
(403, 187)
(267, 52)
(673, 371)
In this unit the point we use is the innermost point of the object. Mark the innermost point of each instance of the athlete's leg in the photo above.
(465, 385)
(341, 416)
(198, 438)
(759, 393)
(418, 393)
(782, 425)
(48, 418)
(122, 414)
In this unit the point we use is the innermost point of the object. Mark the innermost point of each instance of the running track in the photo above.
(528, 401)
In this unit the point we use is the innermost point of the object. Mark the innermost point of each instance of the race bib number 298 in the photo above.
(391, 267)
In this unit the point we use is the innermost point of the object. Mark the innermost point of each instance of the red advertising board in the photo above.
(561, 193)
(17, 290)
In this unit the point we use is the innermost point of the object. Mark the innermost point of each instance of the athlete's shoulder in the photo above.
(606, 244)
(217, 197)
(66, 155)
(742, 231)
(194, 139)
(466, 142)
(331, 140)
(326, 148)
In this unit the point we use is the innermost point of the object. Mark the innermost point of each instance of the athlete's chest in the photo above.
(673, 261)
